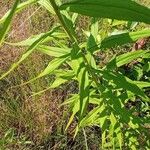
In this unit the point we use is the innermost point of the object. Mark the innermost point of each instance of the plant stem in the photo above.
(75, 42)
(85, 137)
(55, 7)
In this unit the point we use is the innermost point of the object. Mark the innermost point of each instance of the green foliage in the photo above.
(103, 92)
(7, 22)
(124, 38)
(118, 9)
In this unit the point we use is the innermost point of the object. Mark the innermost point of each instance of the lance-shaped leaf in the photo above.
(7, 22)
(124, 38)
(75, 109)
(53, 51)
(32, 39)
(47, 5)
(142, 84)
(114, 9)
(28, 52)
(90, 118)
(79, 68)
(61, 78)
(83, 79)
(18, 9)
(55, 63)
(55, 84)
(121, 82)
(126, 58)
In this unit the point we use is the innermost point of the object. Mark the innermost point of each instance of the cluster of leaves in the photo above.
(106, 90)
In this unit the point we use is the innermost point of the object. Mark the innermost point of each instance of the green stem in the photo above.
(56, 9)
(74, 41)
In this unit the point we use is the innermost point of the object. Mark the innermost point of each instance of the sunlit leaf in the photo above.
(124, 38)
(28, 52)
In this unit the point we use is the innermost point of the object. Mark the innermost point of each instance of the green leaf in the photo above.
(7, 22)
(125, 59)
(29, 51)
(64, 74)
(121, 82)
(93, 35)
(78, 66)
(130, 56)
(114, 9)
(142, 84)
(90, 118)
(83, 91)
(47, 5)
(18, 9)
(71, 100)
(68, 21)
(55, 63)
(53, 51)
(32, 39)
(124, 38)
(75, 109)
(55, 84)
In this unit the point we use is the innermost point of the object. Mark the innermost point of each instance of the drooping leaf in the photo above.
(90, 118)
(61, 78)
(75, 109)
(29, 51)
(114, 9)
(55, 84)
(32, 39)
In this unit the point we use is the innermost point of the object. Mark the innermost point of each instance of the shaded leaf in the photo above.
(114, 9)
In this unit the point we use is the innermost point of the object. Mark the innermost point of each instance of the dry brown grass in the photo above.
(36, 118)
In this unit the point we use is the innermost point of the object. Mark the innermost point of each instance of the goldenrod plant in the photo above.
(103, 92)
